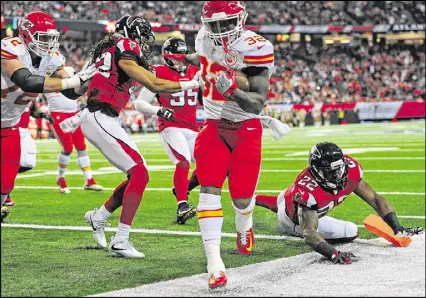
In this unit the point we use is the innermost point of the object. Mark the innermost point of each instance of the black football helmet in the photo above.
(138, 29)
(175, 46)
(328, 166)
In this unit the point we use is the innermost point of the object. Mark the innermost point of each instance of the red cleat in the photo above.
(91, 185)
(245, 242)
(220, 281)
(63, 188)
(8, 202)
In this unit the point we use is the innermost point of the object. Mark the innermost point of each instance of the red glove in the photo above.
(226, 82)
(177, 57)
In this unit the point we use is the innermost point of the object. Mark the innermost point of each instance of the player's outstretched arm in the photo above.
(308, 218)
(143, 105)
(150, 81)
(383, 208)
(193, 59)
(29, 82)
(252, 101)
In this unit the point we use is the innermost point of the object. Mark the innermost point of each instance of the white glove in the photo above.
(279, 129)
(79, 79)
(72, 123)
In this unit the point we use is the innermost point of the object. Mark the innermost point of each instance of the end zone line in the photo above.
(277, 191)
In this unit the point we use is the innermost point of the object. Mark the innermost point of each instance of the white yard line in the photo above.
(197, 190)
(411, 216)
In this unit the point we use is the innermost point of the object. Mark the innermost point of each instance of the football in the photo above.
(242, 81)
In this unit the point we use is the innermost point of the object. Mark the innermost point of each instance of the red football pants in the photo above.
(230, 149)
(67, 140)
(10, 157)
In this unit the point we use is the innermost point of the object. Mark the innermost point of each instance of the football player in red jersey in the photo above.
(327, 181)
(120, 58)
(21, 81)
(177, 135)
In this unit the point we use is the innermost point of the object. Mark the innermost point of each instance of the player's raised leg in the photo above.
(105, 133)
(83, 161)
(178, 149)
(243, 177)
(211, 174)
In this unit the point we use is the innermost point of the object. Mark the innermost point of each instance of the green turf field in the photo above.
(47, 262)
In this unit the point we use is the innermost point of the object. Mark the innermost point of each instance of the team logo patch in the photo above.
(298, 197)
(133, 45)
(49, 70)
(231, 57)
(26, 24)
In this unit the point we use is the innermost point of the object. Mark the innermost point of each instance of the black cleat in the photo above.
(185, 211)
(4, 213)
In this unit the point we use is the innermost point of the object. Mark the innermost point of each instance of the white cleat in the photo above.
(91, 185)
(98, 227)
(124, 248)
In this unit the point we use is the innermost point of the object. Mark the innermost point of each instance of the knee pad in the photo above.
(351, 231)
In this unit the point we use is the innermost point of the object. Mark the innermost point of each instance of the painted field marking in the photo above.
(197, 190)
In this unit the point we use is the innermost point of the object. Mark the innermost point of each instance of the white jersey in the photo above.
(251, 50)
(14, 101)
(57, 102)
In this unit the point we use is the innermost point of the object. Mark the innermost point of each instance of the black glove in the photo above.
(166, 113)
(47, 117)
(344, 258)
(408, 231)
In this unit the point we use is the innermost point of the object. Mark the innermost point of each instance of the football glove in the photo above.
(87, 72)
(226, 82)
(166, 113)
(408, 231)
(344, 258)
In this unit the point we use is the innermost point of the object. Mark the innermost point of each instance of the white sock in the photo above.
(123, 232)
(83, 161)
(244, 217)
(3, 198)
(63, 161)
(210, 219)
(103, 213)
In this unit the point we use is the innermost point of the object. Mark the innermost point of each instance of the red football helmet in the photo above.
(224, 21)
(38, 30)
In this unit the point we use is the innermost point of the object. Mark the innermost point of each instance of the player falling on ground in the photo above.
(121, 58)
(28, 146)
(230, 143)
(177, 135)
(21, 83)
(61, 108)
(327, 181)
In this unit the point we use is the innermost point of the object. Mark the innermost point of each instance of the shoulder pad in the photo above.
(128, 45)
(355, 169)
(303, 197)
(200, 38)
(12, 48)
(49, 65)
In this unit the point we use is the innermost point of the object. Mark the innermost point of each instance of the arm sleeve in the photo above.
(145, 107)
(28, 82)
(146, 95)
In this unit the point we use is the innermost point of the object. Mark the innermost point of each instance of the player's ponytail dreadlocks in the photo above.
(108, 41)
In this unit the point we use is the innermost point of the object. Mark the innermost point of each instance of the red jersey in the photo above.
(184, 103)
(306, 191)
(111, 85)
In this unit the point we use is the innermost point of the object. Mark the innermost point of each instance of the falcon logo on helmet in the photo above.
(39, 33)
(175, 45)
(224, 21)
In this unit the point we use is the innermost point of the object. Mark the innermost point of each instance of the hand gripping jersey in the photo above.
(57, 102)
(306, 191)
(111, 85)
(14, 101)
(184, 103)
(251, 50)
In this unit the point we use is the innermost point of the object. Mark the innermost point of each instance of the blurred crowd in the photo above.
(260, 12)
(347, 73)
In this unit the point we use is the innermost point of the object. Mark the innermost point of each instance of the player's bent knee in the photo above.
(139, 172)
(351, 231)
(213, 190)
(242, 203)
(184, 165)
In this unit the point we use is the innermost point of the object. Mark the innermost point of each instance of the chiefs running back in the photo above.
(330, 178)
(177, 134)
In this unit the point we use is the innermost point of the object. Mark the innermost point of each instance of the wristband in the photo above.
(392, 221)
(71, 82)
(326, 250)
(189, 85)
